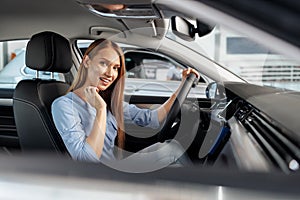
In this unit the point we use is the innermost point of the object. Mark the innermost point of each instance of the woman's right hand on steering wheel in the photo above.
(188, 71)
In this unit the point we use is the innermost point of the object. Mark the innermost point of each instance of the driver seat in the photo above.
(46, 51)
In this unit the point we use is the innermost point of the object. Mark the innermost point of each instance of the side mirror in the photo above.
(215, 90)
(186, 30)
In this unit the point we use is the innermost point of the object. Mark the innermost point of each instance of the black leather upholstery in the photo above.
(45, 51)
(48, 51)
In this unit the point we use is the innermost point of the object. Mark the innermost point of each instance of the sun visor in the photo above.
(133, 9)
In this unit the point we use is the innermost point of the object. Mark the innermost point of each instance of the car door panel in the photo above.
(8, 131)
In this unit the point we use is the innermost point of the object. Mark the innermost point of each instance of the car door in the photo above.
(12, 60)
(146, 86)
(150, 81)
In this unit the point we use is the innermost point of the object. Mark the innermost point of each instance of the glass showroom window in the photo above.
(13, 67)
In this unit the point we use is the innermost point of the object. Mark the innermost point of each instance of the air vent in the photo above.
(280, 149)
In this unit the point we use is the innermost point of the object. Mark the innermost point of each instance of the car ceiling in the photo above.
(22, 19)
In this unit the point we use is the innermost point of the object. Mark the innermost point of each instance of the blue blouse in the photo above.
(74, 119)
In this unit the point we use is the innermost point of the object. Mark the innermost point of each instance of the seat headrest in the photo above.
(49, 51)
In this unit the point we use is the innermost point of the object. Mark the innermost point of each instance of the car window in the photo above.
(148, 73)
(13, 68)
(146, 65)
(248, 59)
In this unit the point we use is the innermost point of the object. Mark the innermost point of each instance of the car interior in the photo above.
(238, 123)
(210, 126)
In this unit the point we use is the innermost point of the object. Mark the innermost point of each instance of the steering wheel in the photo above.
(175, 108)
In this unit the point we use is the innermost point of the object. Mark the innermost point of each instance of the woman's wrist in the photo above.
(100, 110)
(101, 107)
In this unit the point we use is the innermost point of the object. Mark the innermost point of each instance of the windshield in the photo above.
(247, 59)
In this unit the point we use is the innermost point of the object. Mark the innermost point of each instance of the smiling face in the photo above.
(103, 68)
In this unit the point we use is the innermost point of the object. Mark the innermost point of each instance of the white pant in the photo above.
(154, 157)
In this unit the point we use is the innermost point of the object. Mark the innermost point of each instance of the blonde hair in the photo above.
(113, 95)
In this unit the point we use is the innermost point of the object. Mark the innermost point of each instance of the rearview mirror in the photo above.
(186, 30)
(183, 28)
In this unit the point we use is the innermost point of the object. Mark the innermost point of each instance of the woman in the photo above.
(89, 117)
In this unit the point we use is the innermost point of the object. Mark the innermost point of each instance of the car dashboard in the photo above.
(242, 134)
